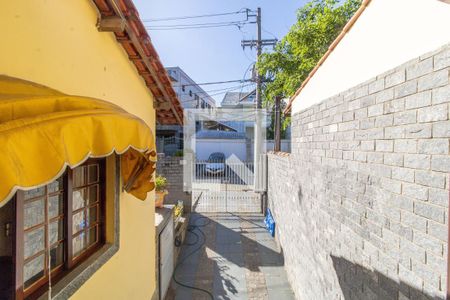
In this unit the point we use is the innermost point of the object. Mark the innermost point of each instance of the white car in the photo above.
(215, 164)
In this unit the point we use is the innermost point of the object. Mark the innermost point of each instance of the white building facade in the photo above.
(191, 95)
(169, 138)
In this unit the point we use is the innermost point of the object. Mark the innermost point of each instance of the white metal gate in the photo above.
(227, 181)
(230, 190)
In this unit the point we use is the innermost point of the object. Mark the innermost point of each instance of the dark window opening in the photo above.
(7, 251)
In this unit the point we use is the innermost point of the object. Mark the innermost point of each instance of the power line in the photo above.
(266, 31)
(222, 90)
(199, 24)
(243, 10)
(215, 94)
(237, 24)
(215, 90)
(219, 91)
(231, 90)
(219, 82)
(245, 54)
(245, 74)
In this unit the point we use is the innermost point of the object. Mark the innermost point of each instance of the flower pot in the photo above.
(159, 198)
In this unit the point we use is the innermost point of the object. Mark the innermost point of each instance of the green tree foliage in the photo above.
(318, 23)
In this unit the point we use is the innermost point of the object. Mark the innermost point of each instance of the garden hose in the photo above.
(192, 229)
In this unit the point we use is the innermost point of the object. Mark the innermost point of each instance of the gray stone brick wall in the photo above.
(361, 202)
(172, 168)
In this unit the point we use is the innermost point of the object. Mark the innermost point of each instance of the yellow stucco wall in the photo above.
(56, 43)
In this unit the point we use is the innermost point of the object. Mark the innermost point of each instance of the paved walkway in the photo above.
(237, 259)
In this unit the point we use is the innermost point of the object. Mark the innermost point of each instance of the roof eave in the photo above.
(137, 43)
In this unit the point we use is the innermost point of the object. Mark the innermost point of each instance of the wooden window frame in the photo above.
(69, 261)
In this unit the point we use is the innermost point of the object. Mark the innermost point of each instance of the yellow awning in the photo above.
(42, 131)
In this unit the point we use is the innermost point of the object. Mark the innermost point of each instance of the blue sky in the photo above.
(214, 54)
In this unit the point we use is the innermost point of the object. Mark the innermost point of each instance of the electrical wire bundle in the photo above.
(180, 26)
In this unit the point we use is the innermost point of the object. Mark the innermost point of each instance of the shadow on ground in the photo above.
(236, 259)
(231, 256)
(359, 283)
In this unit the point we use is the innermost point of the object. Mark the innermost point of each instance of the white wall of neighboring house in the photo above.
(387, 34)
(204, 147)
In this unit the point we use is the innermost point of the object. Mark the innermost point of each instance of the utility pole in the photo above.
(277, 144)
(258, 55)
(259, 43)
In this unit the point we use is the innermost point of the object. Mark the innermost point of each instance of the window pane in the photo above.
(93, 173)
(78, 244)
(56, 231)
(55, 186)
(34, 241)
(33, 270)
(33, 213)
(79, 176)
(78, 222)
(92, 236)
(92, 215)
(93, 194)
(57, 255)
(34, 193)
(55, 206)
(78, 199)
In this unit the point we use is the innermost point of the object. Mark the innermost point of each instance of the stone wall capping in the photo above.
(435, 52)
(442, 60)
(279, 153)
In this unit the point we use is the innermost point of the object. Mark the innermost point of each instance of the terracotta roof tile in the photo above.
(137, 43)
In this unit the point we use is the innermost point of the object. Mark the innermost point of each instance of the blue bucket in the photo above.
(270, 223)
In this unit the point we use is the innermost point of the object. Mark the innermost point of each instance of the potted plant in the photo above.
(178, 153)
(161, 192)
